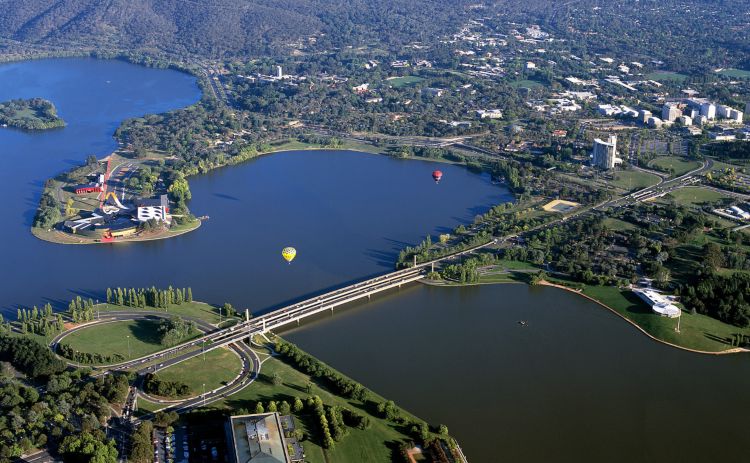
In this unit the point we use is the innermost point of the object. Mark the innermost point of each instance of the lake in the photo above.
(348, 214)
(576, 384)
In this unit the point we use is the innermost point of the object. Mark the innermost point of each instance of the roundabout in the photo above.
(223, 372)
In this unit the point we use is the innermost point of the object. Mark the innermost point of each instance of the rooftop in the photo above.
(258, 439)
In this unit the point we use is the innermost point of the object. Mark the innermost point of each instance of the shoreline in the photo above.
(733, 350)
(48, 236)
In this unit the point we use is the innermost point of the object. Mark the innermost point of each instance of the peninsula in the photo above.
(31, 114)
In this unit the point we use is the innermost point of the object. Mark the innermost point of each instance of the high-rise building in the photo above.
(670, 112)
(279, 73)
(604, 154)
(708, 110)
(643, 115)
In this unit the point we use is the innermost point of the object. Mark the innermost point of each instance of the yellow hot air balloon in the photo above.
(288, 254)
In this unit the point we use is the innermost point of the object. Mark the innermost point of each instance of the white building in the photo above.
(604, 154)
(723, 111)
(608, 110)
(660, 304)
(153, 208)
(581, 96)
(670, 112)
(708, 110)
(740, 212)
(644, 115)
(279, 72)
(686, 121)
(489, 114)
(530, 65)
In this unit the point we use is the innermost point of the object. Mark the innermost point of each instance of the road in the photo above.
(249, 372)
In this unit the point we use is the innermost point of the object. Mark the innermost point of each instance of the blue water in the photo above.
(348, 214)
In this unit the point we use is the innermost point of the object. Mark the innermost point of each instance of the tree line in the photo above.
(149, 297)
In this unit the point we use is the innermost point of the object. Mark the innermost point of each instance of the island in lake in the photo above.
(30, 114)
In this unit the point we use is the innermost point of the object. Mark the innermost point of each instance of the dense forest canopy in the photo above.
(703, 31)
(219, 28)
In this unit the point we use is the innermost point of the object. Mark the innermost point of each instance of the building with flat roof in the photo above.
(660, 304)
(708, 110)
(644, 115)
(152, 208)
(259, 438)
(670, 112)
(604, 154)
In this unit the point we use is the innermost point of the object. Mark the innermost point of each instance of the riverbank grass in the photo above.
(697, 332)
(214, 369)
(373, 445)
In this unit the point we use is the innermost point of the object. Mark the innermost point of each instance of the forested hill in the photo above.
(222, 28)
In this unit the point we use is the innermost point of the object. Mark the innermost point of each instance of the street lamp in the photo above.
(204, 350)
(129, 354)
(204, 394)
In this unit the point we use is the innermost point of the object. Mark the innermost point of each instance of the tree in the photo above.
(276, 379)
(713, 258)
(298, 405)
(88, 447)
(228, 309)
(285, 408)
(259, 408)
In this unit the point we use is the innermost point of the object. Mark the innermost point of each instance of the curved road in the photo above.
(250, 361)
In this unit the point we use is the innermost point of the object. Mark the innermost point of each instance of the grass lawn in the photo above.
(504, 277)
(695, 196)
(680, 165)
(633, 180)
(526, 83)
(114, 338)
(736, 73)
(145, 406)
(361, 446)
(194, 309)
(666, 75)
(619, 225)
(405, 81)
(219, 367)
(696, 331)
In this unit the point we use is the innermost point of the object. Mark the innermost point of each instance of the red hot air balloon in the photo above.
(437, 175)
